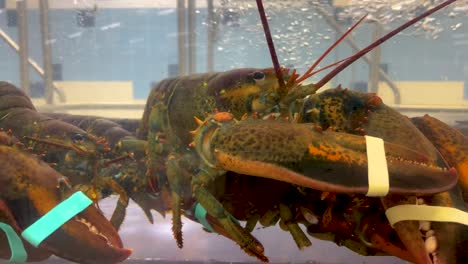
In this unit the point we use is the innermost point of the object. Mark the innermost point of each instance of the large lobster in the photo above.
(324, 160)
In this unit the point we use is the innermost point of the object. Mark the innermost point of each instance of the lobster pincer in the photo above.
(30, 189)
(450, 238)
(301, 155)
(363, 113)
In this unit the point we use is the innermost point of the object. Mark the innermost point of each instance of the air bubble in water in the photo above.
(457, 26)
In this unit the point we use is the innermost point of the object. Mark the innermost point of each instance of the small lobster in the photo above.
(125, 173)
(29, 189)
(98, 156)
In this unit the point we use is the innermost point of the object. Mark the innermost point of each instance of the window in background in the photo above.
(57, 74)
(85, 18)
(12, 18)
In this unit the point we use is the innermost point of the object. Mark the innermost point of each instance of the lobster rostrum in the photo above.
(322, 160)
(30, 189)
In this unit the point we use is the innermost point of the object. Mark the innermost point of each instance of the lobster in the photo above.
(29, 189)
(129, 170)
(18, 114)
(99, 157)
(303, 157)
(85, 158)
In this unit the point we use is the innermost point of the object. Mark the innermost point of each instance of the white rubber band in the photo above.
(426, 213)
(377, 167)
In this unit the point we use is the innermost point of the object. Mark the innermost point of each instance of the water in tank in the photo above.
(239, 131)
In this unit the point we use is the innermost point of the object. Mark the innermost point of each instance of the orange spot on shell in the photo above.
(374, 101)
(223, 117)
(322, 152)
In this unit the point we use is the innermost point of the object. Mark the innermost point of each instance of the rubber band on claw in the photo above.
(377, 167)
(407, 212)
(18, 253)
(200, 214)
(55, 218)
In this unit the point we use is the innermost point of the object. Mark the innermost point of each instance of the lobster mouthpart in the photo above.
(31, 189)
(322, 160)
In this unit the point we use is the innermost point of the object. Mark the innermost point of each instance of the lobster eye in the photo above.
(77, 138)
(259, 76)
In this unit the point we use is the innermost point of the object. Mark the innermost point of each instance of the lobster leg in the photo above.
(156, 144)
(94, 190)
(177, 170)
(251, 222)
(234, 230)
(299, 237)
(118, 215)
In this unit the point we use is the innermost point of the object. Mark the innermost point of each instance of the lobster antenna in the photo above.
(326, 67)
(58, 144)
(361, 53)
(271, 47)
(338, 41)
(293, 77)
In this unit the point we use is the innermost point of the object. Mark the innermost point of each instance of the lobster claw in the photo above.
(321, 160)
(451, 144)
(30, 189)
(452, 238)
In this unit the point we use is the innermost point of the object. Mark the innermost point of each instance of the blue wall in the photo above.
(138, 45)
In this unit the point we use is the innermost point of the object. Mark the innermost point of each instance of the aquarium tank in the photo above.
(245, 131)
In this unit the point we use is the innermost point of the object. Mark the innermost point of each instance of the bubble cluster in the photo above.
(301, 33)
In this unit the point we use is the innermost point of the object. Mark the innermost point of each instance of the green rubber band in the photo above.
(18, 253)
(200, 214)
(55, 218)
